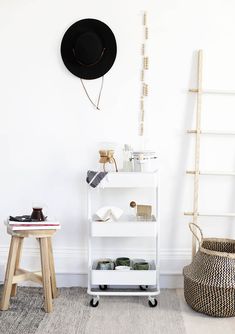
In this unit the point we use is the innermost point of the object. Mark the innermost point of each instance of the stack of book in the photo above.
(48, 224)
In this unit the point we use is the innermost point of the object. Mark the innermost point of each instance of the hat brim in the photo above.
(109, 43)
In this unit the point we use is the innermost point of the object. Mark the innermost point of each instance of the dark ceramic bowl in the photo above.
(141, 266)
(123, 261)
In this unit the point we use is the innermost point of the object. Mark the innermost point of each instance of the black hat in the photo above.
(88, 49)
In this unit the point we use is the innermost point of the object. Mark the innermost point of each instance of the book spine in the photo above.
(25, 228)
(35, 225)
(12, 222)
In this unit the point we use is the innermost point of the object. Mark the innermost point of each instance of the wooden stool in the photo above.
(14, 274)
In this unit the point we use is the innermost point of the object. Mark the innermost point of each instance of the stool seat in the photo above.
(15, 274)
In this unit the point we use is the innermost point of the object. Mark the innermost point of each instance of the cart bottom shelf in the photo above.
(124, 292)
(131, 277)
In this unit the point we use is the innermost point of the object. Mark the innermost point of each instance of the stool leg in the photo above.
(18, 257)
(45, 274)
(52, 269)
(10, 270)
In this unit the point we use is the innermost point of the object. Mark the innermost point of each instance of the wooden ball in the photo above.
(132, 204)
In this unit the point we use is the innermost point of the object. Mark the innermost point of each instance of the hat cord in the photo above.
(99, 96)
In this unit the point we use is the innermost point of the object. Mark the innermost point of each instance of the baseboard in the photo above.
(71, 264)
(167, 281)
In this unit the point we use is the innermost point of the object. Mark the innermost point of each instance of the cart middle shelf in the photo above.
(125, 228)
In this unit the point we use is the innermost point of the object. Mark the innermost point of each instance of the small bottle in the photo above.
(127, 158)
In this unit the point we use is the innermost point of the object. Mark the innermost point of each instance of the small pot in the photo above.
(105, 264)
(123, 261)
(141, 266)
(37, 214)
(144, 161)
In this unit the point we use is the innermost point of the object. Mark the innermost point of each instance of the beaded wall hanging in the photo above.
(145, 67)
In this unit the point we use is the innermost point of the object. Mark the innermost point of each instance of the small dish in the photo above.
(123, 268)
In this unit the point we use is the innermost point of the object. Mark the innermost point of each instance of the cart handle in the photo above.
(194, 232)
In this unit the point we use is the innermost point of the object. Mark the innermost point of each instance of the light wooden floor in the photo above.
(196, 323)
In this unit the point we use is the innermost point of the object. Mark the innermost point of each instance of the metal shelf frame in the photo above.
(121, 281)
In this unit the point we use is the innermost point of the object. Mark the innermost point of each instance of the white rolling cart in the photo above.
(119, 189)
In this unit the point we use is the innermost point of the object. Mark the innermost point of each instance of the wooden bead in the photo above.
(146, 63)
(132, 204)
(145, 89)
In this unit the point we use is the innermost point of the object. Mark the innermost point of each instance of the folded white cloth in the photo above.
(109, 212)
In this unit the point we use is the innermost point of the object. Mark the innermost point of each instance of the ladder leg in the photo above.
(197, 148)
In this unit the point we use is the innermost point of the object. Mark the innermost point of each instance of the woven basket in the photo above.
(209, 281)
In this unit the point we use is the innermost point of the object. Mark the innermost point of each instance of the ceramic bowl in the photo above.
(138, 261)
(123, 261)
(105, 264)
(141, 266)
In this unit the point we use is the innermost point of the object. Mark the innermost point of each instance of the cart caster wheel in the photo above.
(144, 287)
(153, 304)
(92, 304)
(103, 287)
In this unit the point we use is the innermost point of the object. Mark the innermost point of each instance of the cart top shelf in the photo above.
(130, 180)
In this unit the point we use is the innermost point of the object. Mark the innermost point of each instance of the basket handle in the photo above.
(191, 225)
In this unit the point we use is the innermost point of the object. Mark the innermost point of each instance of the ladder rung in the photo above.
(231, 173)
(212, 91)
(215, 132)
(204, 214)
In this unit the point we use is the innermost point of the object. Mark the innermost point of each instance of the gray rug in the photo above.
(73, 315)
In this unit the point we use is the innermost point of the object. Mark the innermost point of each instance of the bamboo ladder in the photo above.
(198, 132)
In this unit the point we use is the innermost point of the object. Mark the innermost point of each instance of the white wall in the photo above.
(49, 133)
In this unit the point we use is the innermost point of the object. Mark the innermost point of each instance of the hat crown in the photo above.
(88, 48)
